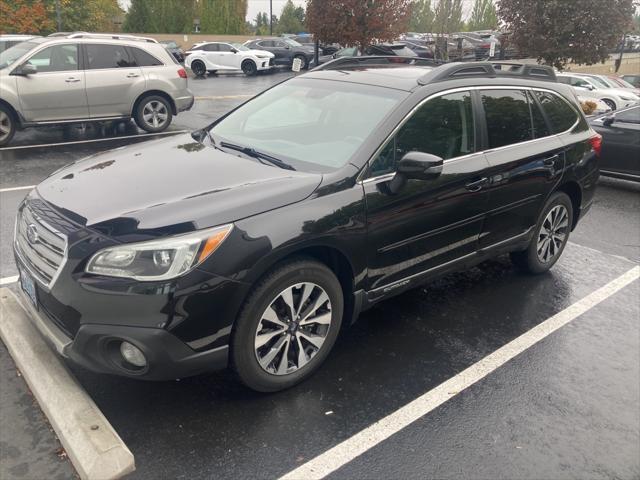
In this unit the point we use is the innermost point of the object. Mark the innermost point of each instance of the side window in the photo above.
(58, 58)
(108, 56)
(144, 59)
(211, 47)
(443, 126)
(540, 128)
(629, 116)
(266, 43)
(508, 117)
(559, 113)
(223, 47)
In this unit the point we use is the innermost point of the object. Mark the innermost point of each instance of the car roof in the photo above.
(400, 78)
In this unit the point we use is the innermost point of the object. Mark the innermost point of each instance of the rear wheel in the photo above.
(153, 114)
(550, 238)
(198, 68)
(303, 60)
(249, 68)
(288, 326)
(7, 125)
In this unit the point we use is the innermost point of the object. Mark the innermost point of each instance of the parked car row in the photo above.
(600, 87)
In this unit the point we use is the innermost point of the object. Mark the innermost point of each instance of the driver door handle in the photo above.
(72, 80)
(477, 185)
(133, 75)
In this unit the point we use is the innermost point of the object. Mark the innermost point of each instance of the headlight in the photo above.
(161, 259)
(263, 56)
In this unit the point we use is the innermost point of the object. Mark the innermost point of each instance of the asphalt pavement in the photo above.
(565, 408)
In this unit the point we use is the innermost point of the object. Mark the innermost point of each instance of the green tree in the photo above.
(483, 16)
(222, 16)
(160, 16)
(138, 17)
(448, 16)
(358, 22)
(262, 24)
(290, 21)
(560, 31)
(21, 16)
(421, 17)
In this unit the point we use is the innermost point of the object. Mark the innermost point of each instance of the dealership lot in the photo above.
(566, 407)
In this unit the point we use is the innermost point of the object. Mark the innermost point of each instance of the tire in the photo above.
(258, 362)
(610, 103)
(542, 253)
(198, 68)
(7, 125)
(303, 59)
(249, 68)
(153, 113)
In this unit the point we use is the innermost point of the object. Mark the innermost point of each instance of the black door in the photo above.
(427, 223)
(526, 161)
(621, 144)
(283, 52)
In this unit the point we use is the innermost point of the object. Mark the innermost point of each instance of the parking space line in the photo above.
(346, 451)
(223, 97)
(94, 140)
(16, 189)
(8, 280)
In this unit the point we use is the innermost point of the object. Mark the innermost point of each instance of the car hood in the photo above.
(617, 91)
(169, 186)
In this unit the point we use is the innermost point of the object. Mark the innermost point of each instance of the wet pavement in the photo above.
(565, 408)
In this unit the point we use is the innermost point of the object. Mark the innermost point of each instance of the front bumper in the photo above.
(265, 64)
(95, 347)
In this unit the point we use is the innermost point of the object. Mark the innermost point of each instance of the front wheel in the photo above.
(550, 238)
(153, 114)
(288, 326)
(7, 126)
(249, 68)
(610, 103)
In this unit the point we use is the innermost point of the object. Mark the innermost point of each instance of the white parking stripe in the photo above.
(338, 456)
(8, 280)
(223, 97)
(15, 189)
(107, 139)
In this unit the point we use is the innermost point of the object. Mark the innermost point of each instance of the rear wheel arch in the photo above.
(574, 191)
(149, 93)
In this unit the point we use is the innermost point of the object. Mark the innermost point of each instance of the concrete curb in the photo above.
(94, 447)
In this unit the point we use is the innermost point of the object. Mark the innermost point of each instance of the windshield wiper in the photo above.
(252, 152)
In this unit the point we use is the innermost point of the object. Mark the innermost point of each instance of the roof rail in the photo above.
(109, 36)
(343, 63)
(455, 70)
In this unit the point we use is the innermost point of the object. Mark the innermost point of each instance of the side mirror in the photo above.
(418, 166)
(608, 120)
(287, 47)
(26, 69)
(233, 50)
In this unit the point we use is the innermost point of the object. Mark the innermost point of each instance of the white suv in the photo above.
(90, 77)
(213, 56)
(615, 98)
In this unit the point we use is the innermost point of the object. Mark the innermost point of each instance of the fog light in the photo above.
(133, 354)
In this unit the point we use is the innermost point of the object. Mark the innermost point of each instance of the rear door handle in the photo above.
(133, 75)
(477, 185)
(72, 80)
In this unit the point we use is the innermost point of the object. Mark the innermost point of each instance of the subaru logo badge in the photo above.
(32, 233)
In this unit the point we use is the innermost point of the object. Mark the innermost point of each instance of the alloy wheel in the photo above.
(155, 114)
(5, 126)
(293, 328)
(553, 233)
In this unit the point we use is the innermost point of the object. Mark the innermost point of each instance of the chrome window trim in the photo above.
(405, 119)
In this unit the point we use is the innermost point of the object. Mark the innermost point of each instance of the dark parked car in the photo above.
(620, 143)
(285, 50)
(632, 79)
(174, 49)
(308, 41)
(422, 51)
(250, 243)
(382, 49)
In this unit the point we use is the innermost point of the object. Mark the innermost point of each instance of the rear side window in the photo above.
(540, 128)
(559, 112)
(108, 56)
(223, 47)
(144, 59)
(508, 117)
(211, 47)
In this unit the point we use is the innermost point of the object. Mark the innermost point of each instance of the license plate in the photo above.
(29, 287)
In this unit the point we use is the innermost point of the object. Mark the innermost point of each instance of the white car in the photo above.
(616, 98)
(213, 56)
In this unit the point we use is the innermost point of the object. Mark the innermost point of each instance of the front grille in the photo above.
(40, 246)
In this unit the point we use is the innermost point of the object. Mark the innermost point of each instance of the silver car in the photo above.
(90, 77)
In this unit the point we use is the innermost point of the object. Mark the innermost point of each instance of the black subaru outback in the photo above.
(250, 243)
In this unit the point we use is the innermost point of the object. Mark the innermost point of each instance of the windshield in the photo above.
(292, 42)
(10, 55)
(312, 124)
(170, 44)
(598, 82)
(240, 47)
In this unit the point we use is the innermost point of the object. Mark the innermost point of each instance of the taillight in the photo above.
(182, 73)
(596, 143)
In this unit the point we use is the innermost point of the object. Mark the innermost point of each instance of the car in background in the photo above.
(616, 98)
(423, 51)
(8, 41)
(605, 81)
(68, 79)
(308, 41)
(620, 132)
(381, 49)
(174, 49)
(632, 79)
(285, 50)
(213, 56)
